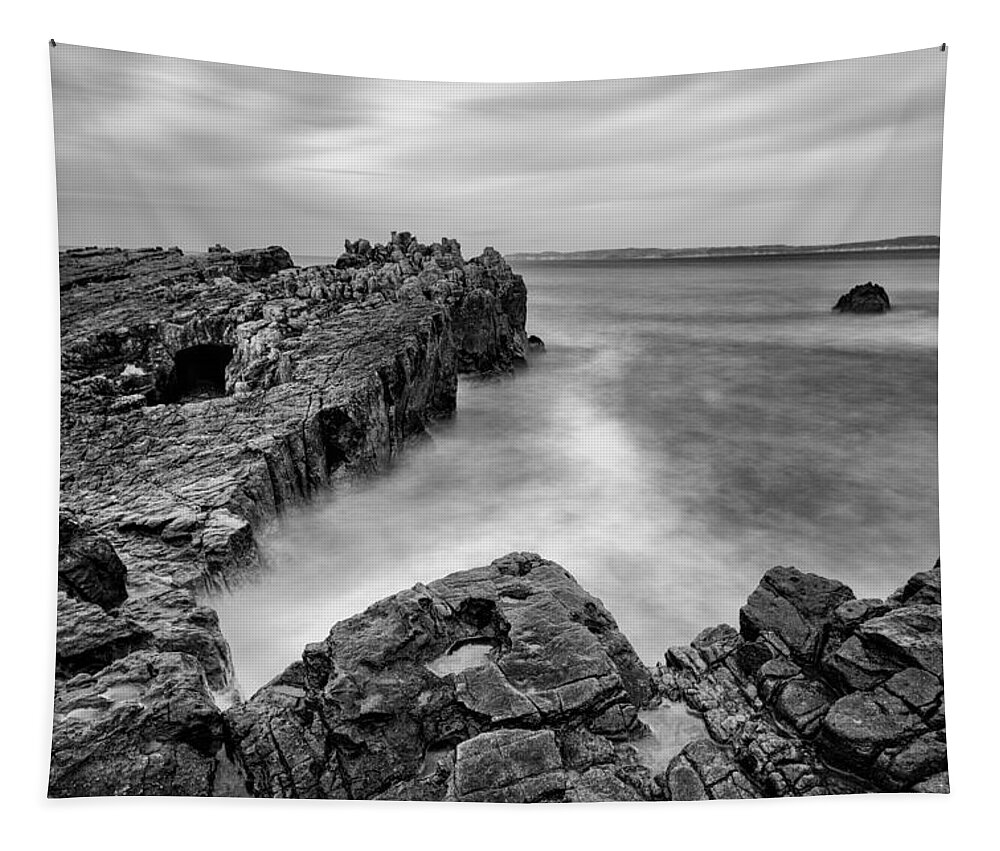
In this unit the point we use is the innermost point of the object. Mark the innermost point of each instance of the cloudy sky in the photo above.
(152, 150)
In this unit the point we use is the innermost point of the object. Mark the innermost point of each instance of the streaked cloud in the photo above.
(169, 151)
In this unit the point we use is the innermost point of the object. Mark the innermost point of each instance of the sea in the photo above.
(692, 424)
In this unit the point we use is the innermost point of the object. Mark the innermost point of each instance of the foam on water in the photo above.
(691, 426)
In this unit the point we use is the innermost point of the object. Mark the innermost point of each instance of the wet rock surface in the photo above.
(544, 701)
(203, 394)
(864, 298)
(364, 715)
(819, 693)
(145, 725)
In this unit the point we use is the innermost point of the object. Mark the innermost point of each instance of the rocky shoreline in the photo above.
(511, 683)
(203, 395)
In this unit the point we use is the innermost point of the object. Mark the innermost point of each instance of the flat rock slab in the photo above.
(510, 766)
(911, 634)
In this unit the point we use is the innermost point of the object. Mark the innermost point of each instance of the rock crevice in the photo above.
(822, 693)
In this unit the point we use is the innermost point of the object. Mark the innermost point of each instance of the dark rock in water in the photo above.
(862, 726)
(486, 670)
(509, 766)
(88, 638)
(89, 567)
(864, 298)
(536, 345)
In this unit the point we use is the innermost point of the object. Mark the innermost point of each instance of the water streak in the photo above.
(692, 425)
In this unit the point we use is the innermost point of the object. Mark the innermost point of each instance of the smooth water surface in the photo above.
(692, 424)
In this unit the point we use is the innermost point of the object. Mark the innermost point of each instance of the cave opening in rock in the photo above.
(199, 373)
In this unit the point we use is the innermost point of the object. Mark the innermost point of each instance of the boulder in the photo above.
(796, 606)
(702, 771)
(536, 345)
(903, 767)
(803, 704)
(89, 567)
(860, 726)
(864, 298)
(445, 671)
(911, 634)
(88, 638)
(921, 588)
(820, 693)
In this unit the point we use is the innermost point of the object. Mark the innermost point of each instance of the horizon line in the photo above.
(689, 248)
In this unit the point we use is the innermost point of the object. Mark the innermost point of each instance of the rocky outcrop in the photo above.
(864, 298)
(144, 725)
(201, 395)
(486, 300)
(508, 682)
(819, 692)
(84, 266)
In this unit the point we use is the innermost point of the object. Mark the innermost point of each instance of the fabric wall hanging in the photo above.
(307, 549)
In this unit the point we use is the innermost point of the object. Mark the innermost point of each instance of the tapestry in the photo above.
(508, 442)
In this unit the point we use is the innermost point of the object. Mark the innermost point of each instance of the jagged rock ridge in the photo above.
(510, 683)
(512, 674)
(201, 395)
(819, 692)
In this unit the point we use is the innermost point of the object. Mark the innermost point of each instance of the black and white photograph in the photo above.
(421, 417)
(498, 442)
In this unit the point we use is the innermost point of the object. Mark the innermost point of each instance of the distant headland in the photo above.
(899, 243)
